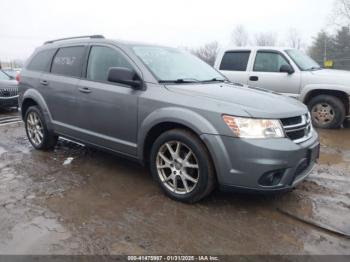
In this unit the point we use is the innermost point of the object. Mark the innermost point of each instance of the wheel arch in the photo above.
(28, 102)
(340, 93)
(33, 98)
(163, 120)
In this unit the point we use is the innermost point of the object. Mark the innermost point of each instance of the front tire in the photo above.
(327, 111)
(38, 134)
(182, 166)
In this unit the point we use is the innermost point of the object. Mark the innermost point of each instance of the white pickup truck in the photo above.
(291, 72)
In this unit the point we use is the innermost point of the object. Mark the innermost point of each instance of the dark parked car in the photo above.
(8, 90)
(170, 111)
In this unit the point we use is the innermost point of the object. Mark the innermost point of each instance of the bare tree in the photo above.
(341, 14)
(208, 52)
(266, 39)
(240, 36)
(294, 38)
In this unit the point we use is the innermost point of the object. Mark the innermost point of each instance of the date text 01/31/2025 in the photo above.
(173, 258)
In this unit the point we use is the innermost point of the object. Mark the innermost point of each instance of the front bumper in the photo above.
(243, 163)
(9, 101)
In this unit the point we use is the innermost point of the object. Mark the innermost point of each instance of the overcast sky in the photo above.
(26, 24)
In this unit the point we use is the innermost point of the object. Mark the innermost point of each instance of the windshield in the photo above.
(4, 76)
(303, 61)
(11, 73)
(174, 65)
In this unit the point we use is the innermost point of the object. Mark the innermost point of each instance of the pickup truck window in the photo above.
(303, 61)
(266, 61)
(235, 61)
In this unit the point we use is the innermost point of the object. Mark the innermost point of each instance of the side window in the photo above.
(41, 61)
(269, 62)
(102, 58)
(235, 61)
(68, 61)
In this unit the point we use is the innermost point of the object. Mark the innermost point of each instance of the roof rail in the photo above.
(75, 37)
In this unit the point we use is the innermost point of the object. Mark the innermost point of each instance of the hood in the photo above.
(328, 76)
(331, 73)
(8, 84)
(258, 103)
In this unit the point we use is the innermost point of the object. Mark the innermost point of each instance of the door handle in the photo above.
(85, 90)
(44, 82)
(254, 78)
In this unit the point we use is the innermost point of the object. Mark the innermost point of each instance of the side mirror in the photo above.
(287, 69)
(124, 76)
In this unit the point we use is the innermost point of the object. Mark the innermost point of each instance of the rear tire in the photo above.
(182, 166)
(36, 128)
(327, 111)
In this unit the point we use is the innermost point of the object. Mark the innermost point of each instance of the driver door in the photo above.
(266, 73)
(107, 111)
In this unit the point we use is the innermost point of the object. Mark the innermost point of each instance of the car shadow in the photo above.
(346, 124)
(8, 111)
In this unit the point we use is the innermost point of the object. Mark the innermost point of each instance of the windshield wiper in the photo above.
(192, 80)
(214, 80)
(180, 81)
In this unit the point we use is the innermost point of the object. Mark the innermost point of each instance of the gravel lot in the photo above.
(76, 200)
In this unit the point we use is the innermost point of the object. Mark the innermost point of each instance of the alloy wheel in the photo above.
(177, 167)
(35, 128)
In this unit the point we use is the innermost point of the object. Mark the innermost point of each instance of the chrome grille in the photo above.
(8, 92)
(298, 129)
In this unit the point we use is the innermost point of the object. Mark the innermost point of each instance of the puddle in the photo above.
(338, 138)
(37, 236)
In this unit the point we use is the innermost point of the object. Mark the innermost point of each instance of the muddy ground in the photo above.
(101, 204)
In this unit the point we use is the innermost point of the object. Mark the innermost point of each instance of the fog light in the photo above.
(272, 178)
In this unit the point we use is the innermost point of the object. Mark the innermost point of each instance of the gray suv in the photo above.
(170, 111)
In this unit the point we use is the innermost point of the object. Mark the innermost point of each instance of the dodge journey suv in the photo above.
(169, 110)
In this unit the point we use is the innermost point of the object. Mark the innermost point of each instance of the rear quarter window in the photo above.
(235, 61)
(41, 61)
(68, 61)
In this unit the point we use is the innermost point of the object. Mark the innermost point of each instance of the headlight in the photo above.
(254, 128)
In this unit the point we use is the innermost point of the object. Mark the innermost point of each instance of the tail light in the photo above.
(18, 76)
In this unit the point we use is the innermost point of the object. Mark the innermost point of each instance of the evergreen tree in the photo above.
(342, 43)
(322, 47)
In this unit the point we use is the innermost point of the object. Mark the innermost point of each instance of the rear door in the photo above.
(61, 86)
(107, 112)
(266, 73)
(234, 66)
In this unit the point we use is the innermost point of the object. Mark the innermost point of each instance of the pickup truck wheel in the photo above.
(327, 111)
(181, 164)
(38, 134)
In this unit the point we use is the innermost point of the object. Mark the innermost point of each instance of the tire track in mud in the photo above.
(323, 200)
(9, 120)
(315, 224)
